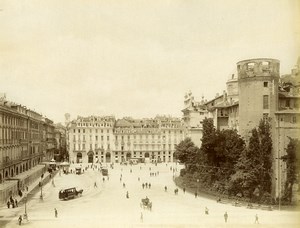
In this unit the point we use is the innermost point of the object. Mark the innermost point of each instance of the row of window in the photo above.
(83, 147)
(82, 130)
(13, 121)
(94, 125)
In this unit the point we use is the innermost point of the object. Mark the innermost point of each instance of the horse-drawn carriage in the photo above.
(146, 204)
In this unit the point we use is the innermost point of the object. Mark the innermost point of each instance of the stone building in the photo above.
(105, 139)
(60, 142)
(90, 139)
(23, 137)
(258, 92)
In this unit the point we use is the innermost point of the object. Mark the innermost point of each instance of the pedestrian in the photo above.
(8, 204)
(138, 179)
(123, 185)
(196, 194)
(206, 210)
(226, 216)
(55, 212)
(20, 220)
(141, 218)
(131, 170)
(256, 219)
(103, 179)
(146, 185)
(127, 195)
(16, 202)
(183, 189)
(95, 185)
(143, 185)
(166, 188)
(13, 204)
(27, 188)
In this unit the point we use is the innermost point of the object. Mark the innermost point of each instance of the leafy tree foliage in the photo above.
(219, 153)
(292, 163)
(254, 167)
(265, 156)
(245, 180)
(186, 152)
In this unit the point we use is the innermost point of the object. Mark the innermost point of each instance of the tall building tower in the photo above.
(193, 116)
(258, 92)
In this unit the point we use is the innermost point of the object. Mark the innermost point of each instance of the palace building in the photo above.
(26, 139)
(257, 92)
(104, 139)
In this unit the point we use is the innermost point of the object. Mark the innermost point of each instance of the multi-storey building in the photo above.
(22, 146)
(105, 139)
(258, 92)
(60, 143)
(90, 139)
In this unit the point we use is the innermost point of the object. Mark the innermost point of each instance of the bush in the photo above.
(266, 198)
(182, 172)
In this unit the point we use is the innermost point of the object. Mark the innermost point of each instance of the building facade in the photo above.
(23, 135)
(105, 139)
(258, 92)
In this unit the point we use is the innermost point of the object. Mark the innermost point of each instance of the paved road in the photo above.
(107, 205)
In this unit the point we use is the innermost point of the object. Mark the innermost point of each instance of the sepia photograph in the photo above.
(138, 113)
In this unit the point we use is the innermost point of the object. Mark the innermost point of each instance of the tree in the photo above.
(265, 156)
(186, 152)
(246, 178)
(292, 163)
(209, 139)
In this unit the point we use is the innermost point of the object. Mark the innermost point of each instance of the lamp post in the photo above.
(25, 205)
(197, 186)
(279, 182)
(41, 186)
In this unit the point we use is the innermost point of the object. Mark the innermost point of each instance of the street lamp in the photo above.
(279, 182)
(197, 186)
(41, 185)
(25, 204)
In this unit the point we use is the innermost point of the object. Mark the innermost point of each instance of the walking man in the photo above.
(141, 218)
(55, 212)
(226, 216)
(196, 194)
(8, 204)
(206, 210)
(95, 185)
(20, 220)
(16, 202)
(183, 190)
(256, 219)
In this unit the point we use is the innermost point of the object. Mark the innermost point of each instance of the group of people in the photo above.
(146, 185)
(12, 202)
(152, 174)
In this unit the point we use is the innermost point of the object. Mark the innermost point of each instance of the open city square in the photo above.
(106, 204)
(138, 113)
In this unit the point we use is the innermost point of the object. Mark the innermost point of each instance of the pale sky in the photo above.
(135, 58)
